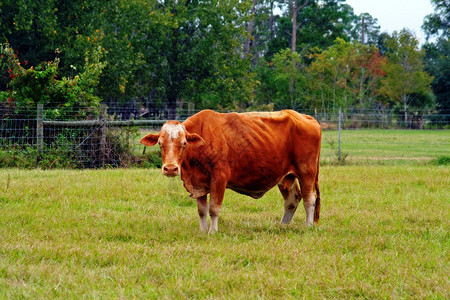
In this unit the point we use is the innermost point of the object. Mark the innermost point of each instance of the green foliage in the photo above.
(346, 75)
(56, 156)
(289, 79)
(437, 63)
(437, 53)
(441, 161)
(340, 156)
(153, 159)
(438, 23)
(63, 98)
(371, 29)
(169, 52)
(319, 24)
(331, 72)
(15, 157)
(76, 149)
(59, 154)
(405, 75)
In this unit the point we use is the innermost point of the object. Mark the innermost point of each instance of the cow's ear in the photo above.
(150, 139)
(194, 138)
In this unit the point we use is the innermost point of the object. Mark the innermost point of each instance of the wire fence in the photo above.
(112, 140)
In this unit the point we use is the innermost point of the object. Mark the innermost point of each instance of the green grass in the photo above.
(132, 233)
(382, 146)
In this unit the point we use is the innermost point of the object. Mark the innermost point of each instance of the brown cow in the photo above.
(247, 152)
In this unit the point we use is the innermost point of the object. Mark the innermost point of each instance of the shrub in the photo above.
(441, 161)
(62, 98)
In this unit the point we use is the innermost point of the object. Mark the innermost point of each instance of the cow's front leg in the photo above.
(202, 205)
(215, 203)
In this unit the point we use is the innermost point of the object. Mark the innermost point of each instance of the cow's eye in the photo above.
(184, 144)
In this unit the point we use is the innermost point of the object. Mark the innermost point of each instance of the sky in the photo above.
(394, 15)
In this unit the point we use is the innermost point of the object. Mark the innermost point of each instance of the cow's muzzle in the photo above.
(171, 170)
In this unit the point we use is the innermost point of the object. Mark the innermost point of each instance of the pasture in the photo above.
(132, 233)
(384, 146)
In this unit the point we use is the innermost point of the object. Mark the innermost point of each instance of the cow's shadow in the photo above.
(247, 229)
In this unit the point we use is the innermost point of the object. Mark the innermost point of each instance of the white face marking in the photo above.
(172, 130)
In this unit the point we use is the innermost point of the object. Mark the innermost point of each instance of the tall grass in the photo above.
(133, 233)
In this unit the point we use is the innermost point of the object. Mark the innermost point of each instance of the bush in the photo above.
(79, 148)
(15, 157)
(69, 98)
(441, 161)
(153, 160)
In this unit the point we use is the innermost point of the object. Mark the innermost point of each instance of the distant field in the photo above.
(132, 233)
(387, 146)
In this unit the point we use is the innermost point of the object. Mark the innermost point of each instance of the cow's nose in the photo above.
(170, 170)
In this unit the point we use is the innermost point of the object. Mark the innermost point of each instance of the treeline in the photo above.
(235, 54)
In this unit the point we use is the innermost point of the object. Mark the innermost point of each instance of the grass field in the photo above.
(382, 146)
(132, 233)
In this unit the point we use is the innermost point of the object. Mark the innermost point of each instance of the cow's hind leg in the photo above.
(310, 198)
(202, 205)
(292, 197)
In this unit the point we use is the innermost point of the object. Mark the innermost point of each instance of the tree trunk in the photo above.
(271, 21)
(362, 31)
(405, 106)
(250, 30)
(361, 92)
(291, 92)
(295, 10)
(294, 27)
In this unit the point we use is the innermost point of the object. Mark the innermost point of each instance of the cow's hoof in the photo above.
(287, 217)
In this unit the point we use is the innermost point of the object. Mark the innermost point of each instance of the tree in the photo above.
(68, 97)
(165, 51)
(318, 24)
(438, 23)
(290, 80)
(331, 72)
(368, 65)
(437, 53)
(262, 28)
(366, 29)
(203, 54)
(437, 63)
(346, 75)
(405, 77)
(295, 9)
(29, 28)
(381, 42)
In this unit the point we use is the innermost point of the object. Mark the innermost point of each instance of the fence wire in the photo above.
(80, 142)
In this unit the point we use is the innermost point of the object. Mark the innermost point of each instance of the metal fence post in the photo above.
(340, 127)
(40, 129)
(191, 108)
(103, 111)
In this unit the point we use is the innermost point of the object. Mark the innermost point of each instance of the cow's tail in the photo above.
(317, 206)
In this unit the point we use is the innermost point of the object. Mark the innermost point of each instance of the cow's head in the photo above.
(173, 139)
